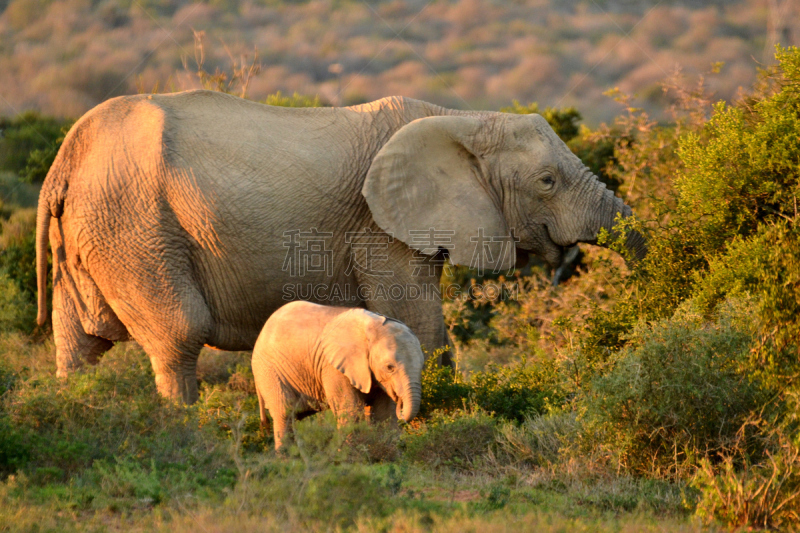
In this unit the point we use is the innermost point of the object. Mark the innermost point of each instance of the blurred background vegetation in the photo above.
(658, 397)
(62, 57)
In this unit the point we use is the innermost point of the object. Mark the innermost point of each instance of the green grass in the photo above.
(103, 451)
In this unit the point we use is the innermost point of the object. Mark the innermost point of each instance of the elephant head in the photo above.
(364, 345)
(489, 180)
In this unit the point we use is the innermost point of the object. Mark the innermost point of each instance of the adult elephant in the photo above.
(186, 219)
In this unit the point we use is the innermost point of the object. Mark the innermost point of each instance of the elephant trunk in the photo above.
(409, 401)
(605, 210)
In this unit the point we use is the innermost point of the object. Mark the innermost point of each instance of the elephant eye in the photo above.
(390, 368)
(548, 181)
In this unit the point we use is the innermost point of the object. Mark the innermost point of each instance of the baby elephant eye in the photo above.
(390, 368)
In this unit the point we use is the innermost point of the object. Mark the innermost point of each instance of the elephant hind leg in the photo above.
(172, 335)
(74, 347)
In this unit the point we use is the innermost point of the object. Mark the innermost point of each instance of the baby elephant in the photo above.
(308, 355)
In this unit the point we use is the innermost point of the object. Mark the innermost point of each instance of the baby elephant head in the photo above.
(365, 346)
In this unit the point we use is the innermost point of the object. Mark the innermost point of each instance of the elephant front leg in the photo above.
(283, 405)
(347, 403)
(176, 377)
(280, 428)
(74, 347)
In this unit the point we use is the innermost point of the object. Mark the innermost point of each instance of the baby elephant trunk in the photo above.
(408, 402)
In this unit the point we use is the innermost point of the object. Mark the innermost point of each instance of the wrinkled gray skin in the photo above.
(168, 216)
(310, 355)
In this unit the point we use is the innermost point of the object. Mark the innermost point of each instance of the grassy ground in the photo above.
(103, 452)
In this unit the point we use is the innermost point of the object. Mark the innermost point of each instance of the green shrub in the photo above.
(373, 443)
(103, 412)
(13, 450)
(459, 439)
(342, 494)
(539, 440)
(125, 478)
(741, 171)
(29, 143)
(563, 121)
(18, 272)
(15, 193)
(720, 202)
(41, 159)
(677, 393)
(17, 311)
(512, 392)
(518, 391)
(18, 250)
(765, 494)
(442, 389)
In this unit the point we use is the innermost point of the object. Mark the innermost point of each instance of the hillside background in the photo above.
(62, 57)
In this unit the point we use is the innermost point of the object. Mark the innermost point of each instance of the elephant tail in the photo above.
(51, 204)
(42, 241)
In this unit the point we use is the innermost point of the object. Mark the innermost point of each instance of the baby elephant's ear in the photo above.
(345, 346)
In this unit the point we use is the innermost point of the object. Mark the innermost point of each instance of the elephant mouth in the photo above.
(523, 257)
(542, 245)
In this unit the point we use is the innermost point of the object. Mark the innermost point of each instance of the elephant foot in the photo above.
(180, 388)
(65, 368)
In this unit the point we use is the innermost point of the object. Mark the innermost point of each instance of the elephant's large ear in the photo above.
(428, 178)
(345, 344)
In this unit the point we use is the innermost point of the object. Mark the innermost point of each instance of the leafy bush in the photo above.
(373, 443)
(29, 143)
(106, 411)
(563, 121)
(15, 193)
(518, 391)
(695, 357)
(17, 311)
(765, 494)
(512, 393)
(678, 392)
(442, 389)
(18, 250)
(342, 494)
(539, 440)
(18, 272)
(459, 439)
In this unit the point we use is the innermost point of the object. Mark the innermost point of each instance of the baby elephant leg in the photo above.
(281, 405)
(346, 402)
(280, 429)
